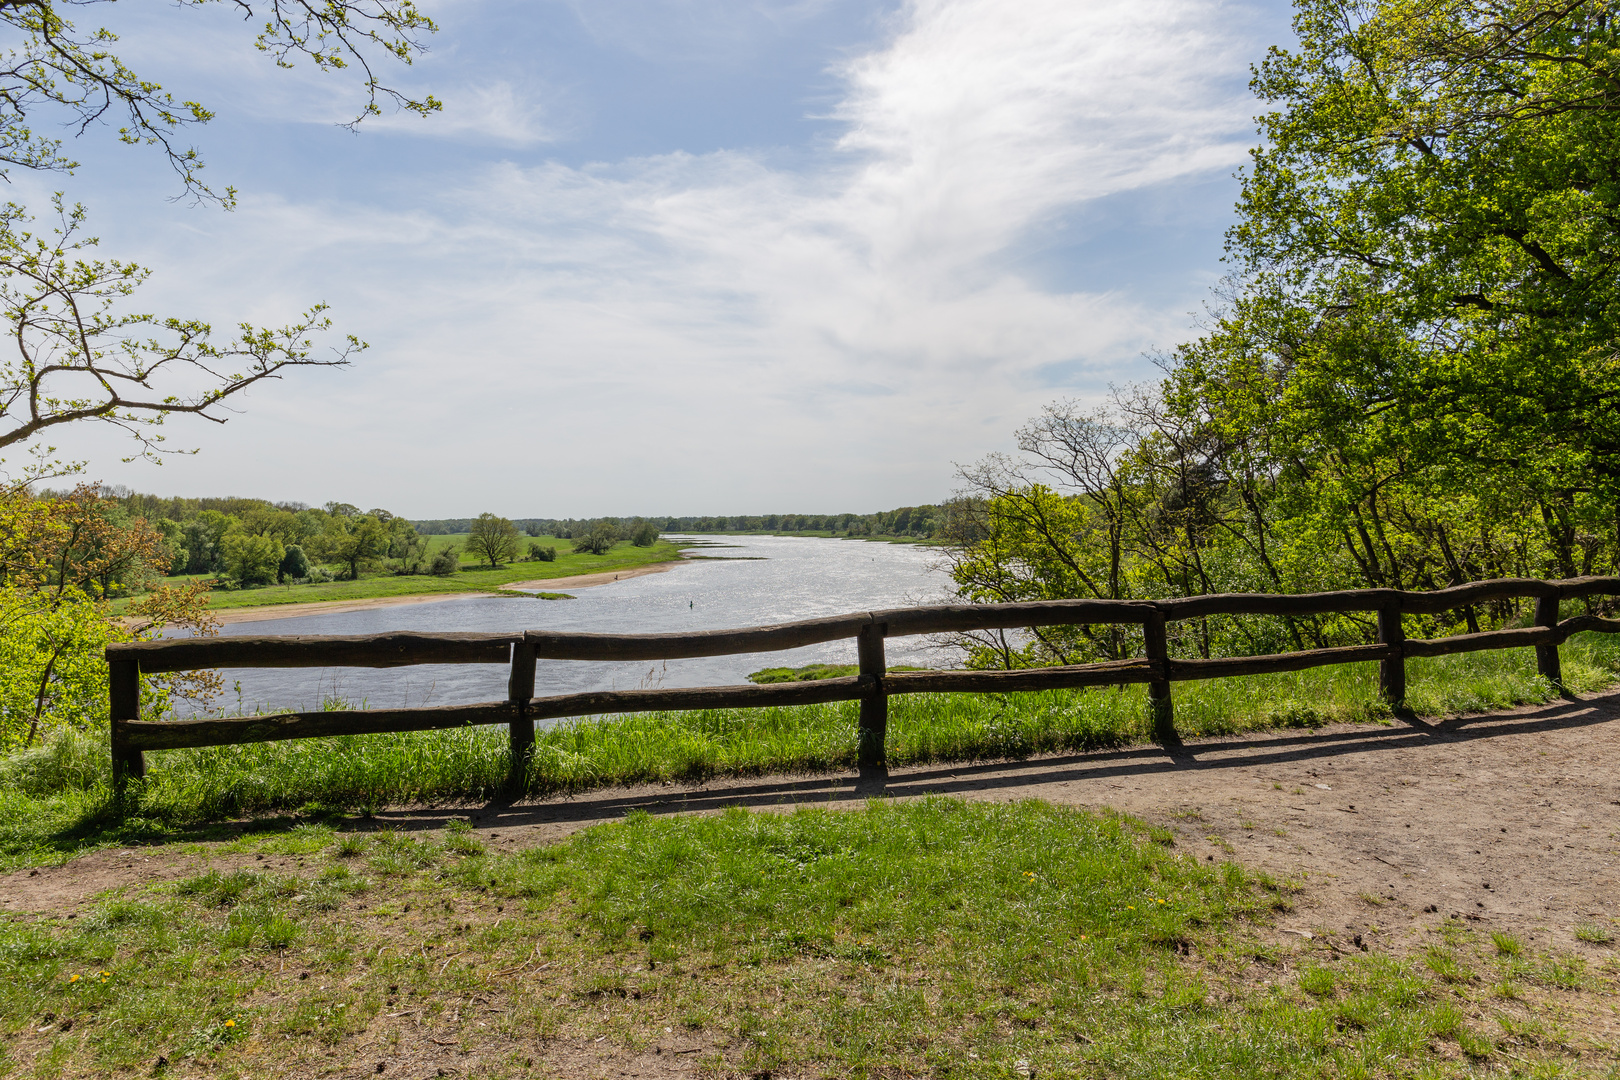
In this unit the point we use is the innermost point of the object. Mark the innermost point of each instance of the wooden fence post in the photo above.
(1392, 672)
(1162, 710)
(124, 694)
(872, 736)
(519, 689)
(1548, 665)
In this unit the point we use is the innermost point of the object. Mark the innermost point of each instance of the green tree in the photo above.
(252, 558)
(294, 564)
(1426, 246)
(494, 539)
(645, 534)
(355, 542)
(599, 540)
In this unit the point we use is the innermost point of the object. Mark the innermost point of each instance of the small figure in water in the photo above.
(691, 603)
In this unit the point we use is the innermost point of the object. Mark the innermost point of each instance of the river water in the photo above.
(750, 581)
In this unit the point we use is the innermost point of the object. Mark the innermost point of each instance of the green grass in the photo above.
(474, 577)
(812, 673)
(56, 802)
(931, 938)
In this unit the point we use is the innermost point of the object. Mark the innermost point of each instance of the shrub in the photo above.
(537, 553)
(446, 562)
(294, 564)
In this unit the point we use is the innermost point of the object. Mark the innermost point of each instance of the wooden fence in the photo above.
(131, 735)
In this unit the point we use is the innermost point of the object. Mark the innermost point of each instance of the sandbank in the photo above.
(338, 607)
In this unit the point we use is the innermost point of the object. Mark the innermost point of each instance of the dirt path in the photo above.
(1511, 819)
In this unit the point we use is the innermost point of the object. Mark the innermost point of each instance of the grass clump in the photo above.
(935, 937)
(57, 801)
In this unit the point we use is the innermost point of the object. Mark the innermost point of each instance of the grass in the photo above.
(474, 577)
(928, 938)
(55, 802)
(812, 673)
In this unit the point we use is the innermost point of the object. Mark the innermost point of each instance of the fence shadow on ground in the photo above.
(1010, 776)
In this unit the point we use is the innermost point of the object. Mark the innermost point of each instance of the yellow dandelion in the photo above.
(230, 1023)
(73, 978)
(1130, 907)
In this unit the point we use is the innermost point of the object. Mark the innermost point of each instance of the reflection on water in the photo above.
(779, 579)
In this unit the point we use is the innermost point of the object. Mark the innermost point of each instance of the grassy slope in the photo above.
(934, 938)
(54, 803)
(474, 576)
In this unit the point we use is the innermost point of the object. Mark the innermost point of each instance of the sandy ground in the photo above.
(585, 581)
(1511, 820)
(336, 607)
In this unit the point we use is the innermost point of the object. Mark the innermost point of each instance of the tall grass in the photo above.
(62, 791)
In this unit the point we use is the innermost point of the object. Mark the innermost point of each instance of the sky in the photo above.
(681, 257)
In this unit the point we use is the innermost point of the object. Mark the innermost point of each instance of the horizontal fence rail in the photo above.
(131, 736)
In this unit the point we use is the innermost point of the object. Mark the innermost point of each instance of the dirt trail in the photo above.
(1511, 819)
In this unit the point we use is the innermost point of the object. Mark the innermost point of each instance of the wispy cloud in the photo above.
(715, 331)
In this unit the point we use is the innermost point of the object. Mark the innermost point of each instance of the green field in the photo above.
(936, 938)
(475, 576)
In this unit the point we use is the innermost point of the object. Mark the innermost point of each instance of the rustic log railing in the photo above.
(131, 736)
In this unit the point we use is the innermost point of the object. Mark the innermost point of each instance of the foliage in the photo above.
(253, 559)
(542, 552)
(54, 67)
(492, 538)
(446, 562)
(599, 540)
(294, 564)
(645, 534)
(1411, 382)
(80, 358)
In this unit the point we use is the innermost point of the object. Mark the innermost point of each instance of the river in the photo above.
(741, 581)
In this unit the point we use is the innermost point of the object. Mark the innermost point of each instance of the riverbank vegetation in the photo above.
(1410, 379)
(906, 523)
(968, 940)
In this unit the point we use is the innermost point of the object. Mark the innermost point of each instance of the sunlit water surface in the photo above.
(759, 580)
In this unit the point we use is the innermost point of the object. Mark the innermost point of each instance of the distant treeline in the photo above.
(921, 522)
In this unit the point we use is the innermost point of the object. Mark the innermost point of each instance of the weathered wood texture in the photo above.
(356, 650)
(1548, 665)
(175, 734)
(124, 692)
(130, 735)
(872, 731)
(1392, 668)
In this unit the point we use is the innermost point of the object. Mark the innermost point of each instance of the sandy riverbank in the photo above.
(338, 607)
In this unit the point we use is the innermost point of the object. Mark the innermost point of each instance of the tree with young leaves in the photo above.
(1427, 245)
(80, 354)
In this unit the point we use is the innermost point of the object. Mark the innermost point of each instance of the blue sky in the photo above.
(681, 257)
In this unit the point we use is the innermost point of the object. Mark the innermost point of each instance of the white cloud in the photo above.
(710, 332)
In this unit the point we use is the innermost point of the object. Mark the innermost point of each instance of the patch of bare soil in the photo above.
(1509, 821)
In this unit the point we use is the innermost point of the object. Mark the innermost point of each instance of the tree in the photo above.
(79, 354)
(599, 540)
(494, 539)
(1426, 244)
(446, 561)
(645, 534)
(54, 66)
(294, 564)
(252, 558)
(355, 542)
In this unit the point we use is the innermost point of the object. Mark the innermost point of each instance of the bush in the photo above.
(294, 564)
(446, 562)
(599, 541)
(542, 554)
(645, 534)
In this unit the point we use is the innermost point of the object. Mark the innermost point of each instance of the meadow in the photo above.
(934, 937)
(474, 576)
